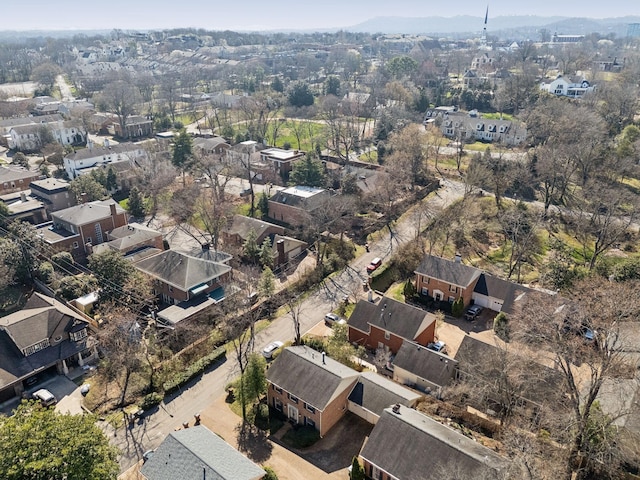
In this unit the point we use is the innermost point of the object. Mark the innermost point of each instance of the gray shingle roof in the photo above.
(448, 271)
(88, 212)
(375, 393)
(198, 453)
(241, 226)
(180, 270)
(301, 371)
(432, 366)
(496, 287)
(412, 446)
(12, 174)
(388, 314)
(97, 151)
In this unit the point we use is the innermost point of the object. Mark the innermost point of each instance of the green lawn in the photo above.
(310, 134)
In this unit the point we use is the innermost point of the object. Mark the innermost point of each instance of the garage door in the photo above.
(496, 305)
(481, 300)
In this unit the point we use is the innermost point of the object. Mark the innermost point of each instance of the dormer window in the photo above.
(36, 347)
(479, 126)
(503, 128)
(79, 335)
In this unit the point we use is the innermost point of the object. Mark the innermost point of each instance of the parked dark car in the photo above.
(473, 312)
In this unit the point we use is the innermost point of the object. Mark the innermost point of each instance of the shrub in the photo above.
(409, 290)
(501, 326)
(193, 370)
(151, 400)
(457, 307)
(45, 272)
(271, 475)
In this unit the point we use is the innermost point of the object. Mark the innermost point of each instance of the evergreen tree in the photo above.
(266, 253)
(267, 283)
(308, 172)
(250, 247)
(136, 202)
(182, 153)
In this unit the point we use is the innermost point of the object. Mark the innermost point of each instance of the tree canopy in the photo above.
(39, 443)
(300, 95)
(308, 172)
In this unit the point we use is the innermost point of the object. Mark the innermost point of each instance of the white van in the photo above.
(45, 397)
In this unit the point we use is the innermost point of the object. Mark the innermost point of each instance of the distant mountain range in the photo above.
(513, 27)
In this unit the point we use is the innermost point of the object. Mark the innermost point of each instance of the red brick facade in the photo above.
(287, 403)
(447, 292)
(378, 337)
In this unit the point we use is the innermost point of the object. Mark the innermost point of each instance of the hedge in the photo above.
(193, 370)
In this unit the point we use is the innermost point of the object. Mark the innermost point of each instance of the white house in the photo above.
(82, 161)
(29, 138)
(574, 87)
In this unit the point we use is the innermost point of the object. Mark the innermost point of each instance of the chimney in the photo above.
(281, 257)
(114, 212)
(106, 143)
(323, 355)
(396, 408)
(458, 258)
(23, 196)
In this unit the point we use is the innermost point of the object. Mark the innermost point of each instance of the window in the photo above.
(452, 299)
(170, 288)
(36, 347)
(277, 389)
(425, 291)
(309, 422)
(277, 404)
(309, 408)
(453, 288)
(75, 245)
(425, 280)
(387, 335)
(293, 398)
(77, 336)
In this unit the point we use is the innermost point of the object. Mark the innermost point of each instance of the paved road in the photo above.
(133, 442)
(65, 88)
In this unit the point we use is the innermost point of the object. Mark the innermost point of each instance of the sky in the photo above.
(274, 14)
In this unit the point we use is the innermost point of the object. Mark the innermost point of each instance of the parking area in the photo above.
(336, 450)
(66, 392)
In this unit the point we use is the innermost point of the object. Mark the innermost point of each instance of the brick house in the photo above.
(79, 228)
(407, 445)
(238, 231)
(16, 179)
(312, 389)
(135, 126)
(444, 280)
(423, 369)
(281, 160)
(54, 193)
(309, 387)
(389, 323)
(293, 205)
(131, 238)
(178, 277)
(447, 280)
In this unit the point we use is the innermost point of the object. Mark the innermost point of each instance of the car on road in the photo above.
(473, 312)
(438, 346)
(375, 263)
(45, 397)
(331, 319)
(269, 350)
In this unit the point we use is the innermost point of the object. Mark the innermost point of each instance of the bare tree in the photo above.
(121, 97)
(585, 362)
(295, 308)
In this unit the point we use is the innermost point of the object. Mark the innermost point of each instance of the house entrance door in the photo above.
(293, 413)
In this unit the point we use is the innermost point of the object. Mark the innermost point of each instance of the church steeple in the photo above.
(484, 30)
